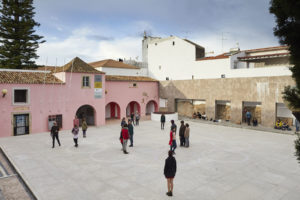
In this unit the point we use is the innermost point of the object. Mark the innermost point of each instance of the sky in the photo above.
(94, 30)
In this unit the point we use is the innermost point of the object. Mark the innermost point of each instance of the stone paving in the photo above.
(222, 163)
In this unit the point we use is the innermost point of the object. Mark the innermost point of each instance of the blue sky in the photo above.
(100, 29)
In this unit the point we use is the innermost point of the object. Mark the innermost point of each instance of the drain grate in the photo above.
(12, 186)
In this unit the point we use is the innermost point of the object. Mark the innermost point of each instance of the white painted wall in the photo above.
(163, 103)
(177, 62)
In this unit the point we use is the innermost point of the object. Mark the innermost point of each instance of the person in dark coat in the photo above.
(173, 125)
(181, 134)
(162, 121)
(170, 171)
(130, 131)
(54, 134)
(132, 117)
(123, 122)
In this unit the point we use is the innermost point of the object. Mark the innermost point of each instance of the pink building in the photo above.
(32, 100)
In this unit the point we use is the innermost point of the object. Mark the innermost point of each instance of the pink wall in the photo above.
(51, 99)
(121, 93)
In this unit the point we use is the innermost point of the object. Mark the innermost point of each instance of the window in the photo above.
(159, 67)
(155, 44)
(86, 81)
(20, 96)
(167, 78)
(134, 84)
(173, 43)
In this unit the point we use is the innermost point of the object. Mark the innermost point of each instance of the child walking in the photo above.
(75, 132)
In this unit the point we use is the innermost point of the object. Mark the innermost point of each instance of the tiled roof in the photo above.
(27, 77)
(222, 56)
(78, 66)
(112, 64)
(129, 78)
(268, 49)
(47, 68)
(276, 55)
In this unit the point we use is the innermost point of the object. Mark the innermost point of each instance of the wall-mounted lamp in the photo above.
(4, 92)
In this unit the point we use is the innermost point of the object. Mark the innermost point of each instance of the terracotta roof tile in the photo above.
(221, 56)
(78, 66)
(28, 77)
(264, 56)
(129, 78)
(112, 64)
(268, 49)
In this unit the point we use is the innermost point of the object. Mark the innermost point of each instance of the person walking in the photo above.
(54, 134)
(162, 121)
(130, 130)
(125, 137)
(137, 118)
(132, 117)
(75, 132)
(172, 142)
(187, 135)
(181, 133)
(170, 171)
(84, 127)
(248, 116)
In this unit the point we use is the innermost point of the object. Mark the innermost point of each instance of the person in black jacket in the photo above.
(162, 121)
(169, 172)
(181, 134)
(54, 134)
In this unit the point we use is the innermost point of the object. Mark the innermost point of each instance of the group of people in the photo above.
(127, 133)
(282, 125)
(199, 115)
(75, 131)
(170, 162)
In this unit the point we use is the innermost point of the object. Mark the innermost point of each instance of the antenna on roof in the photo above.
(223, 39)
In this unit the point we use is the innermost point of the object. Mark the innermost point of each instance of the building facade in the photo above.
(33, 99)
(223, 87)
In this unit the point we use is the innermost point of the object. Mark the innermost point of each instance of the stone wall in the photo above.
(267, 90)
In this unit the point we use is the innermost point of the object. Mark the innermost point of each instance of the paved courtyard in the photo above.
(222, 163)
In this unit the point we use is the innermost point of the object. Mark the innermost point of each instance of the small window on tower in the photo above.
(173, 43)
(155, 44)
(159, 67)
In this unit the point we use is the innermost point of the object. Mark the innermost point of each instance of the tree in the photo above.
(18, 41)
(287, 15)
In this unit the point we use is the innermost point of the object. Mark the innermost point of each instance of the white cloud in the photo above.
(82, 43)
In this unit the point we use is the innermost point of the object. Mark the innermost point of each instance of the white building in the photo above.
(174, 58)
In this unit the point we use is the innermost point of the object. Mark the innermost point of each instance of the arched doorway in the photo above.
(112, 111)
(151, 107)
(133, 107)
(87, 112)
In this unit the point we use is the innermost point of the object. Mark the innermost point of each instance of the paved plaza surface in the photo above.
(222, 163)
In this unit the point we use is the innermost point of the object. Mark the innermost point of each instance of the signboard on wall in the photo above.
(98, 86)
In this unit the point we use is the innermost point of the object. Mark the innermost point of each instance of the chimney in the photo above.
(120, 60)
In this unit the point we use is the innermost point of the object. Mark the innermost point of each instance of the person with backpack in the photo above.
(84, 127)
